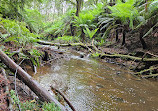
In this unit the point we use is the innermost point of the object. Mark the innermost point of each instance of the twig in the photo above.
(68, 102)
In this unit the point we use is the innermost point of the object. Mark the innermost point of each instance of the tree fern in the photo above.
(124, 11)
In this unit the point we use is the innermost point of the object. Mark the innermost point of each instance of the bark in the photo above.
(41, 92)
(141, 39)
(82, 35)
(72, 29)
(124, 37)
(117, 35)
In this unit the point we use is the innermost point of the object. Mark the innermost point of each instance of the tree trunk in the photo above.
(141, 39)
(77, 7)
(117, 35)
(124, 37)
(82, 35)
(72, 29)
(41, 92)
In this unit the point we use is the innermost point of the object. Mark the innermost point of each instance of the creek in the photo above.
(95, 85)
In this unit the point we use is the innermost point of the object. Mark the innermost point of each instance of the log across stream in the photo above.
(94, 85)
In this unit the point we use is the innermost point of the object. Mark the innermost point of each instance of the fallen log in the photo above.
(137, 59)
(63, 45)
(41, 92)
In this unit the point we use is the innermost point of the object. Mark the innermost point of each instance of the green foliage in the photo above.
(14, 97)
(95, 54)
(29, 105)
(90, 33)
(36, 54)
(50, 107)
(32, 105)
(124, 11)
(13, 8)
(101, 42)
(60, 26)
(86, 17)
(67, 39)
(34, 19)
(56, 28)
(17, 32)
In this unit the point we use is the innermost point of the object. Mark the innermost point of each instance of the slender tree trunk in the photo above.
(72, 28)
(77, 7)
(124, 37)
(117, 35)
(141, 39)
(82, 34)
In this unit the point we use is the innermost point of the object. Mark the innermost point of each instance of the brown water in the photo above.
(93, 85)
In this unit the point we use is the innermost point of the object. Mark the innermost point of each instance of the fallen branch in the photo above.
(41, 92)
(148, 76)
(146, 70)
(68, 102)
(130, 57)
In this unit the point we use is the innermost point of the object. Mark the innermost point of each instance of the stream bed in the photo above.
(94, 85)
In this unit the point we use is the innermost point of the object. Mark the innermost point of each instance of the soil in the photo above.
(132, 47)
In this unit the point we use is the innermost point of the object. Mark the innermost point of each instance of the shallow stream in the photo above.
(94, 85)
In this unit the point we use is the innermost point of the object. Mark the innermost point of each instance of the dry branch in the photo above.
(41, 92)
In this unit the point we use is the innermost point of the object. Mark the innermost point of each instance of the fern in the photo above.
(90, 33)
(17, 32)
(124, 11)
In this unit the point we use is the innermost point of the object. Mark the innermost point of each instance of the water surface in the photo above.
(94, 85)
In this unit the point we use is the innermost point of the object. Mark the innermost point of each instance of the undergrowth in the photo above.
(32, 105)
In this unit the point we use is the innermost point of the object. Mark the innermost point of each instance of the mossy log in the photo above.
(149, 76)
(63, 45)
(128, 57)
(146, 70)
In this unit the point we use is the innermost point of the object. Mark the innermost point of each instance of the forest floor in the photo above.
(134, 48)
